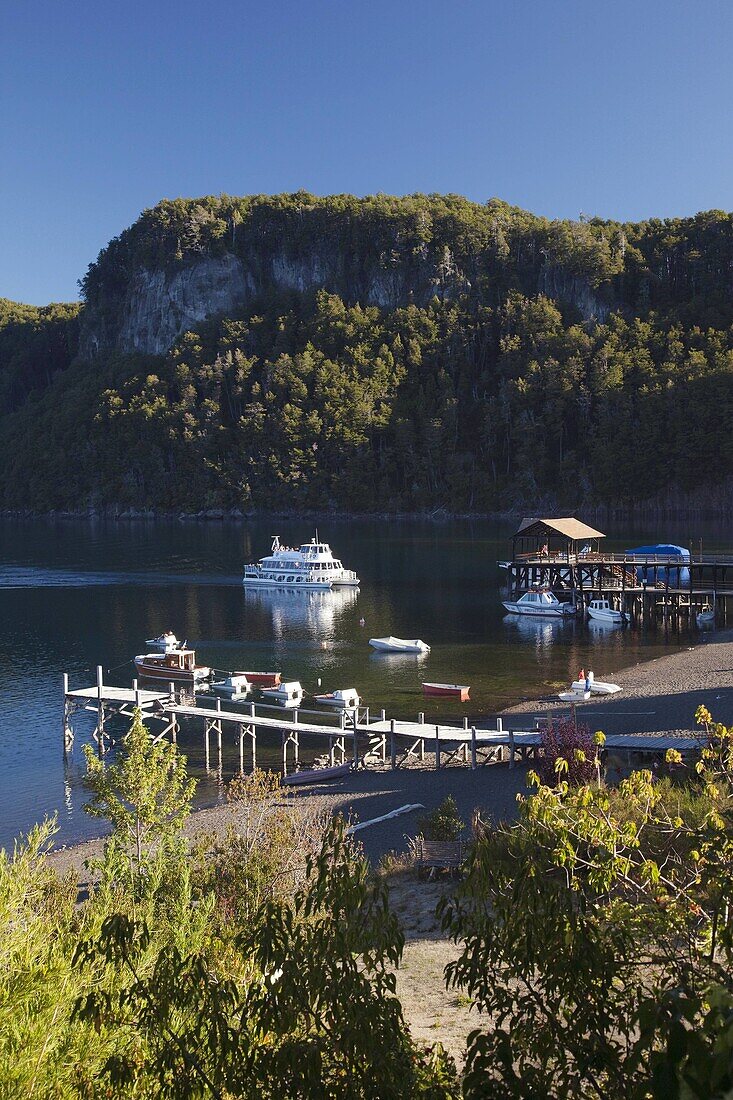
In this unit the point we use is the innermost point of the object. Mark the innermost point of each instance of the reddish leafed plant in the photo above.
(569, 753)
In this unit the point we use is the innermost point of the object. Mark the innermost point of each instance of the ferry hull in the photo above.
(296, 586)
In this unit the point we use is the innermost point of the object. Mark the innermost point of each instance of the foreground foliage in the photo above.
(597, 937)
(257, 966)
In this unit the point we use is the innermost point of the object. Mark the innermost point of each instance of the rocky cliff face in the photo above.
(158, 305)
(189, 260)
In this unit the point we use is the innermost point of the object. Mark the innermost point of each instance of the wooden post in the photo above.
(421, 716)
(284, 737)
(206, 738)
(384, 715)
(437, 747)
(511, 748)
(473, 748)
(66, 731)
(218, 738)
(100, 712)
(241, 749)
(253, 734)
(392, 744)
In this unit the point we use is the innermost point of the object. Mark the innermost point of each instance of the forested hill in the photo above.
(376, 354)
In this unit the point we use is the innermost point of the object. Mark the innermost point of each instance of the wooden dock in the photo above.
(643, 586)
(565, 555)
(355, 734)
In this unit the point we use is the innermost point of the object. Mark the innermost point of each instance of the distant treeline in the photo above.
(556, 364)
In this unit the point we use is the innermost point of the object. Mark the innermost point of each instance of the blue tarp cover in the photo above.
(676, 578)
(662, 549)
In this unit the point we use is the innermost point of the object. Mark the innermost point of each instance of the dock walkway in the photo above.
(354, 734)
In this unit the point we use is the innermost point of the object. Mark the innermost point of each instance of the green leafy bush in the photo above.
(444, 822)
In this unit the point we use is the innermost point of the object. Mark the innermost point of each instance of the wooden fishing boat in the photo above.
(178, 665)
(454, 691)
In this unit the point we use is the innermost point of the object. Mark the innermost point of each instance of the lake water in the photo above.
(77, 594)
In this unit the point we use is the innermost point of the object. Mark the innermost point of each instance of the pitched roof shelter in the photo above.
(554, 536)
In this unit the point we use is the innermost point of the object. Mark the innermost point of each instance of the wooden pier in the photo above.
(356, 735)
(564, 555)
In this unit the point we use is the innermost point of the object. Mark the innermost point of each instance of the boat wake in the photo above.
(13, 576)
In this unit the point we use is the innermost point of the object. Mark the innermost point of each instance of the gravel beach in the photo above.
(658, 695)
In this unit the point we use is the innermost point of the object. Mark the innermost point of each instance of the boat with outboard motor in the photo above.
(234, 686)
(342, 698)
(602, 611)
(310, 566)
(705, 616)
(540, 601)
(285, 695)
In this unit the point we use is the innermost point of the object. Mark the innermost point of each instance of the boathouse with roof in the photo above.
(566, 537)
(566, 556)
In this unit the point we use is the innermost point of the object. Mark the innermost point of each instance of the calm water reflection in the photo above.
(74, 594)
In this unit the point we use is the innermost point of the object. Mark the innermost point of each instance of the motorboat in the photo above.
(540, 601)
(310, 566)
(164, 643)
(595, 687)
(285, 695)
(398, 645)
(235, 686)
(602, 611)
(261, 679)
(178, 665)
(706, 615)
(453, 691)
(574, 696)
(343, 698)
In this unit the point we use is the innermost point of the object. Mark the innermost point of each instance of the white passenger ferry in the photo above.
(311, 565)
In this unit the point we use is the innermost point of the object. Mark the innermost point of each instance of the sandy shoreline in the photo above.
(658, 695)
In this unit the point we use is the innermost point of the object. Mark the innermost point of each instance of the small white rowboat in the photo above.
(398, 645)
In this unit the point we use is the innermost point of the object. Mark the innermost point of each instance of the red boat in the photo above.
(455, 691)
(261, 679)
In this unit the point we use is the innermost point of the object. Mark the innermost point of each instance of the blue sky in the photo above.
(617, 109)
